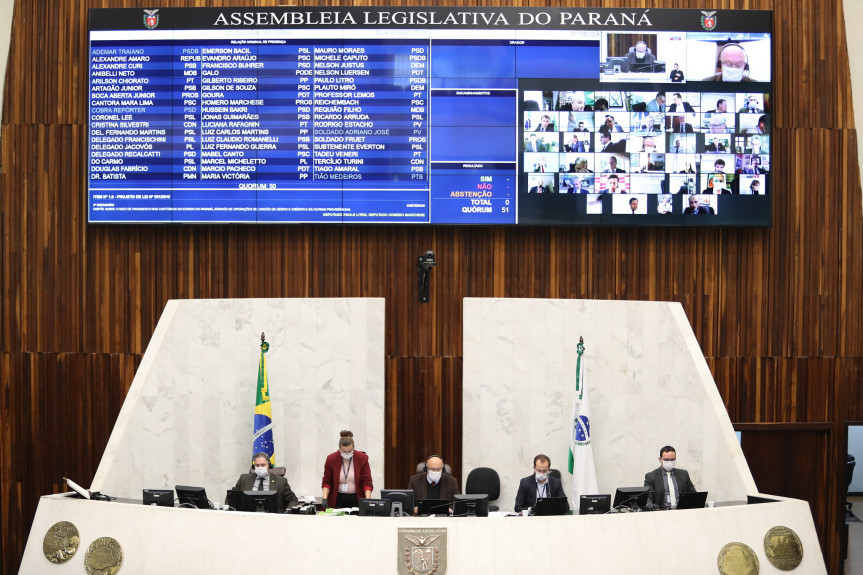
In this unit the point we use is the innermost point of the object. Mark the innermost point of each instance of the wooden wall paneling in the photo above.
(777, 311)
(792, 461)
(423, 415)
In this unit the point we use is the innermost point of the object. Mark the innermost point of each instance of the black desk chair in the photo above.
(484, 480)
(555, 473)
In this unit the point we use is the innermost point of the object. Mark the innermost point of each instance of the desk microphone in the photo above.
(433, 507)
(620, 507)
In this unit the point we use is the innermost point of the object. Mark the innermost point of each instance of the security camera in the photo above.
(427, 261)
(424, 265)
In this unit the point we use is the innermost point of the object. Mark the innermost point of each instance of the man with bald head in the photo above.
(434, 482)
(732, 65)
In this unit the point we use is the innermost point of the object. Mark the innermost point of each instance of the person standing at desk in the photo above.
(263, 480)
(538, 485)
(347, 476)
(433, 482)
(667, 482)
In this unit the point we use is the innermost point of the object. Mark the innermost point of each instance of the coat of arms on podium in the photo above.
(422, 551)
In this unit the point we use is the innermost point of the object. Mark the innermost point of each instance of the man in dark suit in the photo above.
(606, 145)
(539, 484)
(433, 483)
(679, 105)
(533, 145)
(680, 125)
(696, 209)
(667, 482)
(263, 480)
(545, 124)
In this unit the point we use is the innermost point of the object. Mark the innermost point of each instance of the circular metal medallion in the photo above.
(61, 542)
(737, 559)
(783, 548)
(104, 557)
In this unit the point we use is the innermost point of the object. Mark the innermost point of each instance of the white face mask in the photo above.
(639, 54)
(261, 471)
(434, 476)
(541, 476)
(668, 465)
(347, 454)
(732, 74)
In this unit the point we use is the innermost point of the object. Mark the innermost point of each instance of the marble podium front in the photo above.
(172, 541)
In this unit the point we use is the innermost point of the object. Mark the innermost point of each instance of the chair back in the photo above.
(421, 467)
(483, 480)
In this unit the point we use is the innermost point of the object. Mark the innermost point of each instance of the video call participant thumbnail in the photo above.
(695, 207)
(608, 146)
(541, 185)
(732, 64)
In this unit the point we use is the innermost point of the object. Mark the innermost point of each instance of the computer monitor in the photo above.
(631, 497)
(234, 499)
(403, 496)
(159, 497)
(376, 507)
(465, 504)
(433, 506)
(692, 500)
(594, 504)
(614, 64)
(550, 506)
(259, 501)
(188, 496)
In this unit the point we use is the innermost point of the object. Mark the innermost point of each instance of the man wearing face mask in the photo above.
(347, 475)
(433, 483)
(262, 480)
(640, 58)
(732, 65)
(539, 484)
(667, 482)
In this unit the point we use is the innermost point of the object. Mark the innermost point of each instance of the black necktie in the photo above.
(261, 484)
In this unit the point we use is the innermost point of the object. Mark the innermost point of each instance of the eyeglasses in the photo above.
(663, 459)
(435, 468)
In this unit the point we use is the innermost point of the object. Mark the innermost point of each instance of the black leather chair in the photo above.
(555, 473)
(484, 480)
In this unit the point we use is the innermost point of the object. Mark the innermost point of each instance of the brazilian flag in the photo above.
(263, 439)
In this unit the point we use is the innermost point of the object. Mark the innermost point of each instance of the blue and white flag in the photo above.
(580, 450)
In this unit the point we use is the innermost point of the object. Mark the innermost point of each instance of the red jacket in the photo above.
(333, 468)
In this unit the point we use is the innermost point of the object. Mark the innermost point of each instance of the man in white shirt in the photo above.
(668, 482)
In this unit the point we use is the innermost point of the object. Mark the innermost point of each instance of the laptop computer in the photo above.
(433, 506)
(550, 506)
(692, 500)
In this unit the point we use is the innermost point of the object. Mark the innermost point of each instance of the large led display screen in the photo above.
(474, 116)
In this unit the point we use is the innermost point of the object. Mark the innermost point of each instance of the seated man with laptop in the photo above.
(538, 486)
(666, 483)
